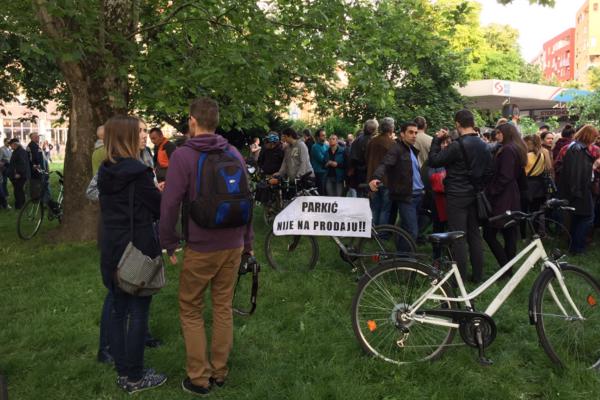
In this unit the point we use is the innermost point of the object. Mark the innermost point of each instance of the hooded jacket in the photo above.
(113, 185)
(181, 188)
(269, 160)
(575, 182)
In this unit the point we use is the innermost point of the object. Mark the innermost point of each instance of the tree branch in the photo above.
(164, 22)
(48, 22)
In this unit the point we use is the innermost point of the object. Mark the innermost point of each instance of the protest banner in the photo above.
(325, 216)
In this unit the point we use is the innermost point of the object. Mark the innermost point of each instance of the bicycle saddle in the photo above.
(446, 237)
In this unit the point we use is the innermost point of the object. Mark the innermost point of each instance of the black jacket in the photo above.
(113, 186)
(19, 164)
(358, 156)
(397, 166)
(36, 158)
(269, 160)
(458, 181)
(575, 182)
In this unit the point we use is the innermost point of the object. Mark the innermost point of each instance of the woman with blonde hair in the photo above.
(535, 195)
(575, 183)
(127, 193)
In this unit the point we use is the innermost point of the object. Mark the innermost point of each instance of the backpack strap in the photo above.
(537, 160)
(201, 160)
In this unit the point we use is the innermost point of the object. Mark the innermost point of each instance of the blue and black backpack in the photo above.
(223, 197)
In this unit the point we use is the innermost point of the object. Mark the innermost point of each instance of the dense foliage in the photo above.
(355, 59)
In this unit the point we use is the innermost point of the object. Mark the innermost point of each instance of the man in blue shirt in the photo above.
(401, 167)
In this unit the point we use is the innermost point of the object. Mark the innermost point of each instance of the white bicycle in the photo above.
(406, 311)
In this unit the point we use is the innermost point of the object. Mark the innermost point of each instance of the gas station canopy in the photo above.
(492, 94)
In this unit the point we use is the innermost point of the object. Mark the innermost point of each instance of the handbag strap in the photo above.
(131, 196)
(467, 163)
(537, 160)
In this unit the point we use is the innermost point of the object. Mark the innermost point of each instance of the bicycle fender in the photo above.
(534, 290)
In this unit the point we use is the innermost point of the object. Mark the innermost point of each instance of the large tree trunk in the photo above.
(80, 215)
(99, 89)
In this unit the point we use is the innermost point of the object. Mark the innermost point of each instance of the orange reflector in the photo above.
(591, 300)
(372, 325)
(375, 258)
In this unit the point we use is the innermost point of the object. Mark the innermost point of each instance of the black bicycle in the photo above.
(275, 198)
(32, 214)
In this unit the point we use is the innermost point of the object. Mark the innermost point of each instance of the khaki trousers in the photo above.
(219, 269)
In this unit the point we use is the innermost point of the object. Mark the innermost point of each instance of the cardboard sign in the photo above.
(325, 216)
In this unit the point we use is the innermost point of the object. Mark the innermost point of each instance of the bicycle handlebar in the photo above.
(518, 215)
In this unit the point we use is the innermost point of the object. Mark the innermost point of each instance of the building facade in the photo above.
(587, 39)
(559, 57)
(16, 120)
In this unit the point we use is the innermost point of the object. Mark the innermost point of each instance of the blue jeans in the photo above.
(333, 187)
(580, 226)
(105, 323)
(409, 214)
(381, 205)
(128, 322)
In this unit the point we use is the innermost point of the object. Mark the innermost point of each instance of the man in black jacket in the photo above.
(18, 171)
(271, 156)
(464, 178)
(358, 152)
(39, 172)
(401, 167)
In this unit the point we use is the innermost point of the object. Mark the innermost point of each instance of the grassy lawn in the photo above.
(298, 345)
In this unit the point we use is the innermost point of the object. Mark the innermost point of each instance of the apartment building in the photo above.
(587, 39)
(558, 57)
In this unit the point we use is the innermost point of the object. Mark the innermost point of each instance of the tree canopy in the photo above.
(101, 57)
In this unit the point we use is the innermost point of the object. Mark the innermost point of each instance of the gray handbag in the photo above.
(138, 274)
(92, 192)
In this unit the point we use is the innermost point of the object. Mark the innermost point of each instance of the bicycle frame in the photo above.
(534, 252)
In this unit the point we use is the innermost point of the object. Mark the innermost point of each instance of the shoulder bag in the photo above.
(138, 274)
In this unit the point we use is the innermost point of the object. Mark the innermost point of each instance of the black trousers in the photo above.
(503, 254)
(462, 216)
(19, 188)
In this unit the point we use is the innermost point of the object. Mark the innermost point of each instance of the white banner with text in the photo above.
(325, 216)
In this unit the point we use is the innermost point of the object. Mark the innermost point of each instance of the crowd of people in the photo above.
(416, 178)
(410, 176)
(22, 165)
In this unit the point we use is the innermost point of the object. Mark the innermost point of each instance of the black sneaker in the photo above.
(150, 380)
(153, 343)
(189, 387)
(219, 382)
(122, 382)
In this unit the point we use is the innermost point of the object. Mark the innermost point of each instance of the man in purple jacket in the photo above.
(211, 256)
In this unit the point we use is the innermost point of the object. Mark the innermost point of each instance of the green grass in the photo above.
(298, 345)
